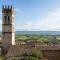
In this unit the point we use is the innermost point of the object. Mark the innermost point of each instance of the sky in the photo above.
(34, 15)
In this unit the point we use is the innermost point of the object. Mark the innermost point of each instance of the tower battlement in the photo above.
(7, 8)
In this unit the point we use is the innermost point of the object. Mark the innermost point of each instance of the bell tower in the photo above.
(8, 33)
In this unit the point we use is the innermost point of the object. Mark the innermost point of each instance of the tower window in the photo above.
(7, 19)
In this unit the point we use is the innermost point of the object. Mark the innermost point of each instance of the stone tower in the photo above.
(8, 33)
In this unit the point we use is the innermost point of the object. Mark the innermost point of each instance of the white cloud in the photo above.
(1, 22)
(50, 22)
(24, 26)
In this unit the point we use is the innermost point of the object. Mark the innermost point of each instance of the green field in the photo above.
(54, 39)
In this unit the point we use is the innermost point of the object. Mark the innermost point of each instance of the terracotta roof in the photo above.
(19, 50)
(49, 47)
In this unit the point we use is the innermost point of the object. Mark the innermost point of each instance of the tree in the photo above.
(34, 56)
(2, 58)
(53, 40)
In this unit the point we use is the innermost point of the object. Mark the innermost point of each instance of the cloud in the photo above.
(25, 25)
(50, 22)
(1, 22)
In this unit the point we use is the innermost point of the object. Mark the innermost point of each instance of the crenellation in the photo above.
(7, 8)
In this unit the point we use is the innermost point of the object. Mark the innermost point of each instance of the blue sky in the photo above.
(35, 15)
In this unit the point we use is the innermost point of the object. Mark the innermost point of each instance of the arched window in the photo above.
(7, 19)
